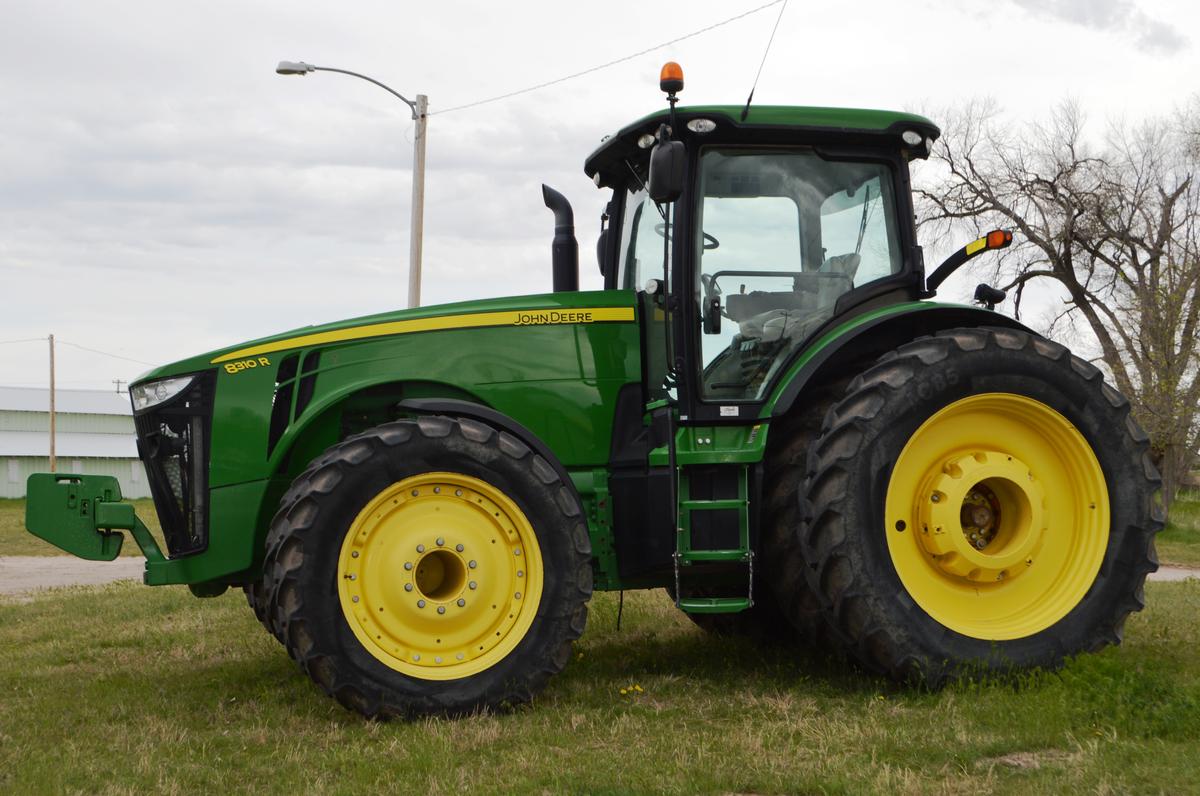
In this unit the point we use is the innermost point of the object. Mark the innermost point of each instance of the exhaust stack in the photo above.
(564, 252)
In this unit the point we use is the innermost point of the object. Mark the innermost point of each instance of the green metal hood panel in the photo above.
(544, 301)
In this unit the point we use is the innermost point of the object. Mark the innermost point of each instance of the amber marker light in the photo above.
(998, 239)
(670, 79)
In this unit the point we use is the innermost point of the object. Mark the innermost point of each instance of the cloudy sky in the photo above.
(163, 192)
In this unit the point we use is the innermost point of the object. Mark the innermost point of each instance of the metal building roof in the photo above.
(85, 402)
(68, 444)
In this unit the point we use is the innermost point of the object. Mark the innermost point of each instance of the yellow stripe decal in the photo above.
(976, 245)
(548, 317)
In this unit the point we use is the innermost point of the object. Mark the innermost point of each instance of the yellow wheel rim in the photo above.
(440, 576)
(997, 516)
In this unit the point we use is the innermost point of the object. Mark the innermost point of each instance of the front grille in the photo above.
(173, 442)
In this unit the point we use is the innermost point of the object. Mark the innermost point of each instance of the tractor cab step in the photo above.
(696, 542)
(708, 556)
(714, 605)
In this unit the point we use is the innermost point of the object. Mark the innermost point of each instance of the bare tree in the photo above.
(1114, 228)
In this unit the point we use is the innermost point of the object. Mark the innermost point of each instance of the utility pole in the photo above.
(416, 229)
(119, 382)
(53, 460)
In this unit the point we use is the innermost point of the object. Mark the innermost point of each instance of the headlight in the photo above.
(153, 393)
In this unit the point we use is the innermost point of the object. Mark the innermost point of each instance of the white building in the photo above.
(94, 436)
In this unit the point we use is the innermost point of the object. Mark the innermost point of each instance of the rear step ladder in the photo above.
(685, 555)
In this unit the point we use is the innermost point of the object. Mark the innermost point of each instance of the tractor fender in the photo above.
(872, 337)
(498, 420)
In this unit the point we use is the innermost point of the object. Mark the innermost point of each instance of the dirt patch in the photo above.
(1028, 760)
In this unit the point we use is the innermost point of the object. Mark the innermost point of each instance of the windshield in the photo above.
(782, 236)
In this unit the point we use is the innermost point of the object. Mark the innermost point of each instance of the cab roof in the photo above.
(772, 123)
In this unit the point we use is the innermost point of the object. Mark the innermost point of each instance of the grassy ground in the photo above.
(1179, 543)
(16, 541)
(125, 689)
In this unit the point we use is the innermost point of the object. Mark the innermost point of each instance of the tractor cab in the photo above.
(785, 219)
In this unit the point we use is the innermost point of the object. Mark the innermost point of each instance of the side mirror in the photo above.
(666, 171)
(602, 252)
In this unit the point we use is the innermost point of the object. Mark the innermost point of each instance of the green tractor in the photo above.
(761, 412)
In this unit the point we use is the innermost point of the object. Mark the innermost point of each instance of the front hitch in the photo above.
(83, 515)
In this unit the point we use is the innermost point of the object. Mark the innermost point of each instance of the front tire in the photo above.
(980, 501)
(435, 566)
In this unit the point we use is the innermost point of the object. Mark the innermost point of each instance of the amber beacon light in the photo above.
(670, 79)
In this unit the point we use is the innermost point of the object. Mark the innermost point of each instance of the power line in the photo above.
(638, 54)
(25, 340)
(105, 353)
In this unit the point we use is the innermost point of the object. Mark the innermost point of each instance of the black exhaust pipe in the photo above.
(564, 253)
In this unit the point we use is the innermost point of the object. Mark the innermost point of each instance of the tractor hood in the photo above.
(538, 309)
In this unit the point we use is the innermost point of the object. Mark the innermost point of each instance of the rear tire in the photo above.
(1029, 434)
(372, 581)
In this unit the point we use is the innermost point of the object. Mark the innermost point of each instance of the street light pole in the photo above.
(420, 114)
(418, 203)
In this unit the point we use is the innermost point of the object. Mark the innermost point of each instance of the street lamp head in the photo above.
(293, 68)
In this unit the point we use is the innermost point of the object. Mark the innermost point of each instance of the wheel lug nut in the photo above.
(420, 548)
(408, 587)
(440, 541)
(520, 573)
(458, 547)
(354, 554)
(354, 598)
(471, 585)
(458, 493)
(408, 565)
(471, 564)
(459, 656)
(517, 552)
(416, 657)
(441, 609)
(935, 497)
(437, 490)
(420, 603)
(461, 602)
(518, 595)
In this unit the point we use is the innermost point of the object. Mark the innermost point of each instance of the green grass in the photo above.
(1179, 543)
(126, 689)
(16, 541)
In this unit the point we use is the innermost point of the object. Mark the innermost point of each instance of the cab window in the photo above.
(781, 235)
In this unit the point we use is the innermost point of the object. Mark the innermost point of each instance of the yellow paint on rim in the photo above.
(1046, 516)
(440, 576)
(475, 320)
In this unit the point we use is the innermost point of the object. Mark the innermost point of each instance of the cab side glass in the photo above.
(781, 236)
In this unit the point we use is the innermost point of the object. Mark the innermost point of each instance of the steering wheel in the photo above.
(710, 242)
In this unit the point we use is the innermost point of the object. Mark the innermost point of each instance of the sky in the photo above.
(163, 192)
